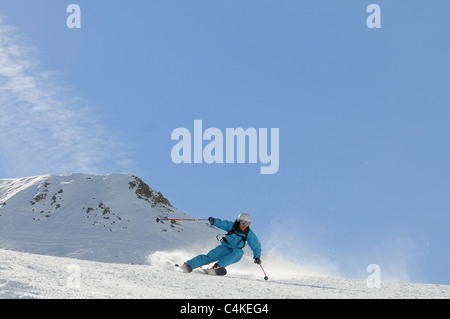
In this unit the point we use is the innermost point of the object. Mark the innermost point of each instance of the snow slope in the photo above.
(96, 236)
(24, 275)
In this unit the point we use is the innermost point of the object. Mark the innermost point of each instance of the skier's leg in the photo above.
(231, 258)
(199, 260)
(213, 255)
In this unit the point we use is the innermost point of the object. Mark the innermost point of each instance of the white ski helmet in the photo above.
(244, 219)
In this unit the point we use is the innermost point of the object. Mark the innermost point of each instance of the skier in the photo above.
(230, 251)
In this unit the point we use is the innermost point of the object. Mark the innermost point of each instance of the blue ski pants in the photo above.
(222, 254)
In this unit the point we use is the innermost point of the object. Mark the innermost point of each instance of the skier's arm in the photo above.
(222, 224)
(254, 244)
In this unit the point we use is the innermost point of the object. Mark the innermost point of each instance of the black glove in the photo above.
(257, 261)
(211, 220)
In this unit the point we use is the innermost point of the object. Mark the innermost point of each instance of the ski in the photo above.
(221, 271)
(186, 268)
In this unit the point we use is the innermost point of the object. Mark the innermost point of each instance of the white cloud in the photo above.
(43, 128)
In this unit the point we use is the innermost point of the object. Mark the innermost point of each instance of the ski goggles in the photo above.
(244, 223)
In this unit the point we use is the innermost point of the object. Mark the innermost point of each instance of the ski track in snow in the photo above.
(25, 275)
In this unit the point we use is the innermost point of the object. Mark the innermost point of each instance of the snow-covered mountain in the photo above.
(96, 236)
(109, 218)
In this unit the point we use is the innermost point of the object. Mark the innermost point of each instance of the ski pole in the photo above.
(183, 219)
(265, 276)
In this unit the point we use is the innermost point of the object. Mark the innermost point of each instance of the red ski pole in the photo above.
(183, 219)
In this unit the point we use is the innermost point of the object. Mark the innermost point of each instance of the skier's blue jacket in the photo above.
(235, 241)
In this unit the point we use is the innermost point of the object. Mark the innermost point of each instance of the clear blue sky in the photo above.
(363, 115)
